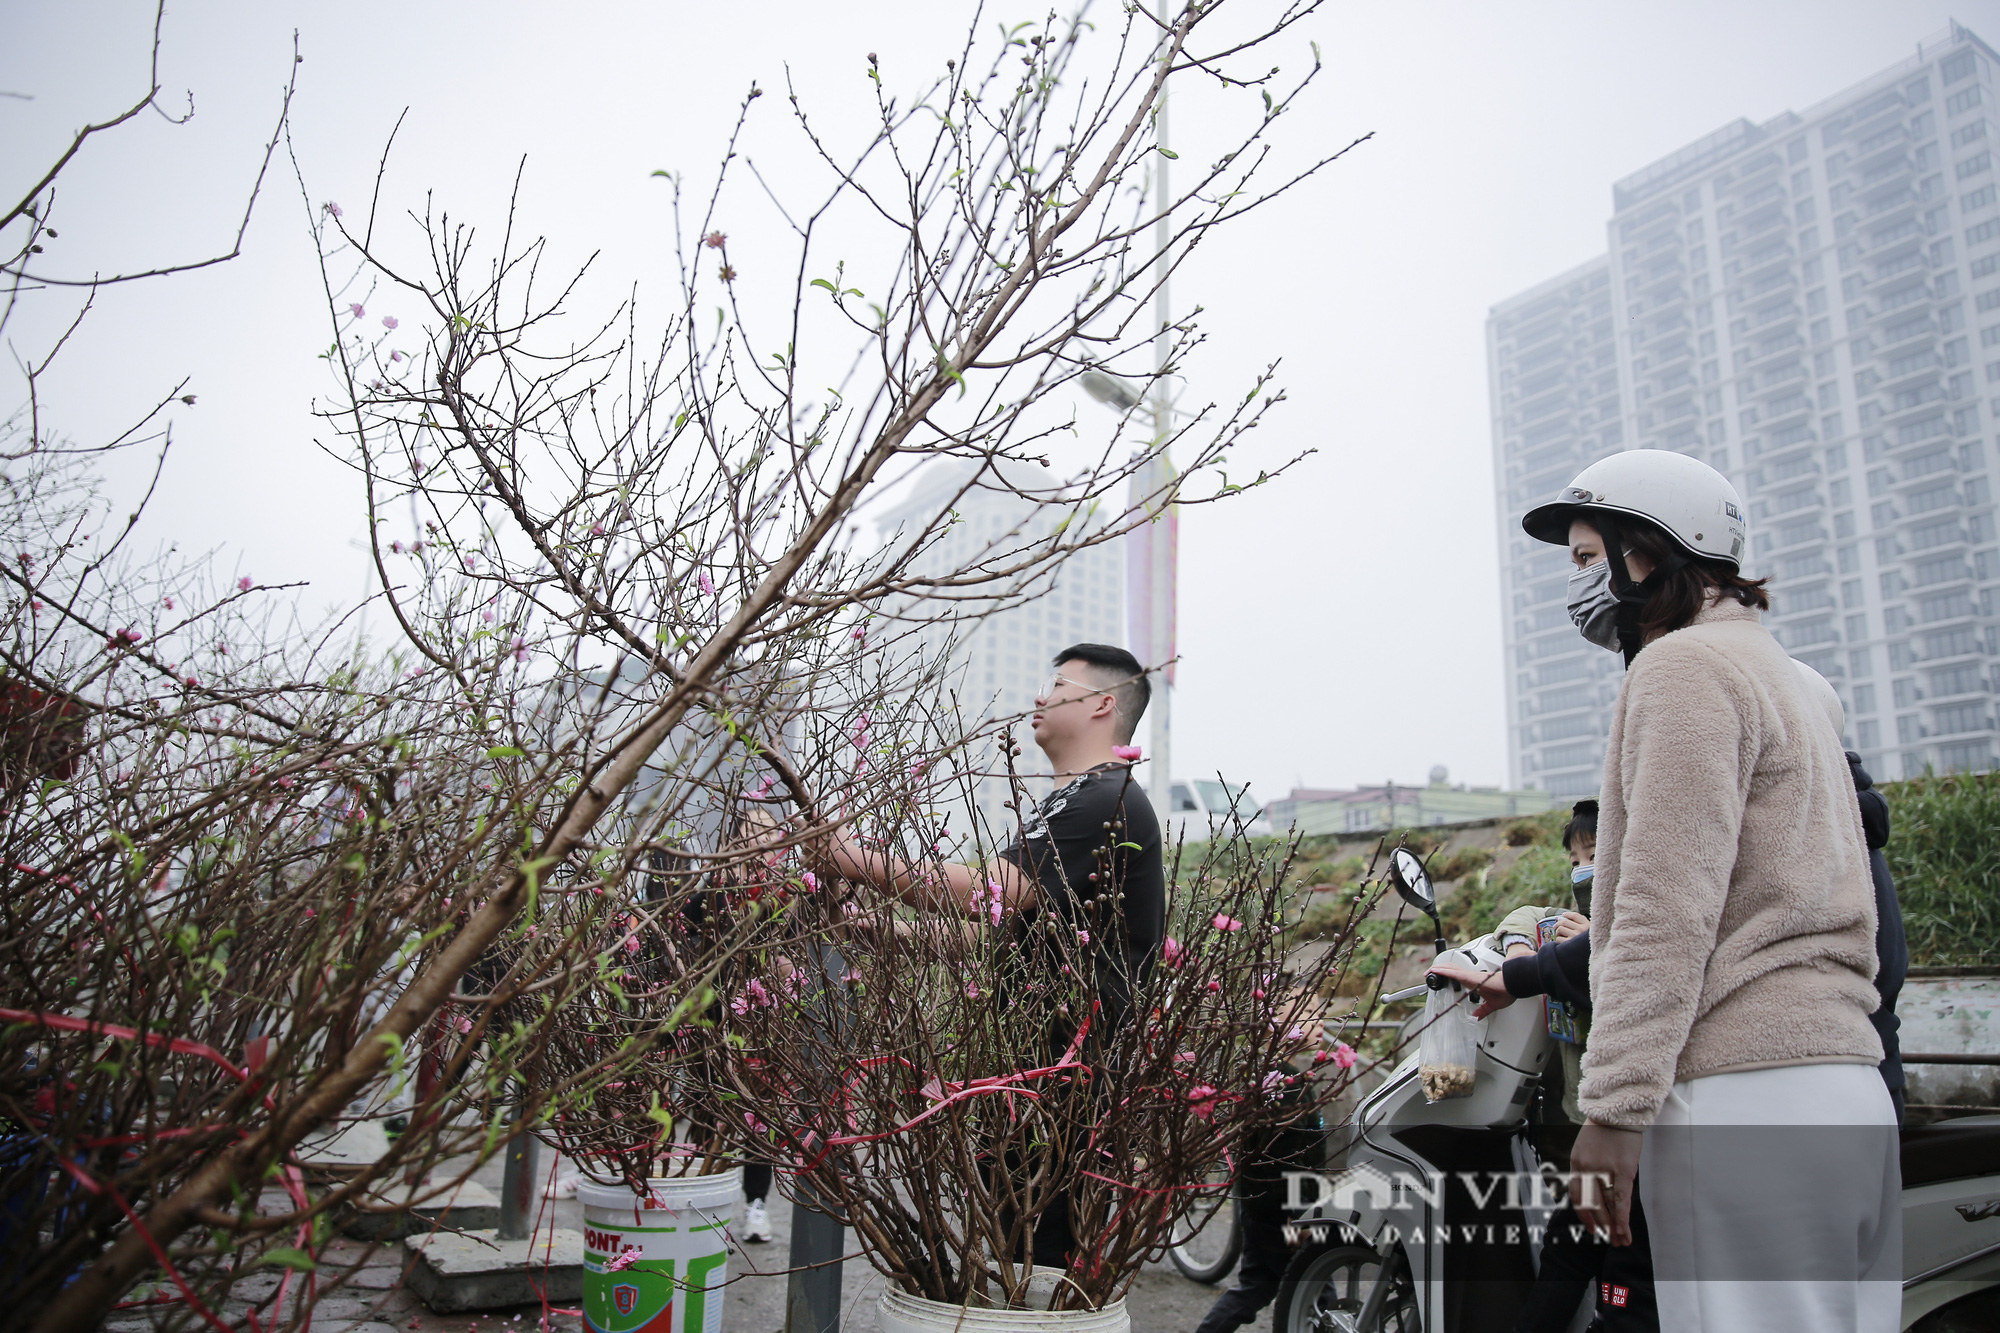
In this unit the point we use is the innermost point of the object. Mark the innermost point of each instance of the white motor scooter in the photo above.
(1431, 1215)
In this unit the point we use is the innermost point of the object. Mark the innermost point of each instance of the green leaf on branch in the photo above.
(505, 752)
(286, 1257)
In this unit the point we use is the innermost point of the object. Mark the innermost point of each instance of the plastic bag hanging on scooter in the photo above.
(1450, 1040)
(1449, 1046)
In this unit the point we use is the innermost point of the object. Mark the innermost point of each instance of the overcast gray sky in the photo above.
(1341, 628)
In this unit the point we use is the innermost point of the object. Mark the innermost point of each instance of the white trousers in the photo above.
(1773, 1199)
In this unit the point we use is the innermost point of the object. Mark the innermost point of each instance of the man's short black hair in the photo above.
(1582, 820)
(1134, 690)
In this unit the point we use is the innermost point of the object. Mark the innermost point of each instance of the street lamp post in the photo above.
(1163, 549)
(1152, 550)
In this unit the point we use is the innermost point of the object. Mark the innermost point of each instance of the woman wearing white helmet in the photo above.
(1734, 924)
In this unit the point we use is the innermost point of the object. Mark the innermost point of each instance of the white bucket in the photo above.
(900, 1312)
(683, 1251)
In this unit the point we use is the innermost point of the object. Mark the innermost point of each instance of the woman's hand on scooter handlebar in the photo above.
(1492, 991)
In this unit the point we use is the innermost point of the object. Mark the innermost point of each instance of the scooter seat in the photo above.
(1951, 1150)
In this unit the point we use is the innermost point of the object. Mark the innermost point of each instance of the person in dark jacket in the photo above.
(1892, 949)
(1572, 1259)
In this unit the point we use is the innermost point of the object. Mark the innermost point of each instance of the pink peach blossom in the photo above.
(1126, 752)
(388, 321)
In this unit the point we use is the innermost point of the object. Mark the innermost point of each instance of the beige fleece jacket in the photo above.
(1734, 916)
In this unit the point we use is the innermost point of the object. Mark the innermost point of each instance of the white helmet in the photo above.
(1692, 502)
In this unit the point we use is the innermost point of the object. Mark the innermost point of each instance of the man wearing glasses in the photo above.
(1092, 846)
(1089, 853)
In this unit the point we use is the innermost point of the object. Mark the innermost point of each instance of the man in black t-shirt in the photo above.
(1088, 855)
(1092, 850)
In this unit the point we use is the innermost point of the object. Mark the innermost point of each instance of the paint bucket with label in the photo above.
(656, 1264)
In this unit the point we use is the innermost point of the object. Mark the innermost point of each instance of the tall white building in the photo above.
(1811, 304)
(1002, 661)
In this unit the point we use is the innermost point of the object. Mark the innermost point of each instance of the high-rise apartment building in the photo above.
(1000, 662)
(1811, 304)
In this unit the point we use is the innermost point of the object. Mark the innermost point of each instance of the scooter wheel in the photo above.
(1206, 1242)
(1326, 1287)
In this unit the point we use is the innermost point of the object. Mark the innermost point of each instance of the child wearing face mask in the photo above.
(1526, 929)
(1572, 1259)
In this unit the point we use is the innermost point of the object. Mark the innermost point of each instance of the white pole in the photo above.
(1160, 549)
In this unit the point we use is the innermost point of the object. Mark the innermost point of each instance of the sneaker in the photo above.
(756, 1226)
(562, 1187)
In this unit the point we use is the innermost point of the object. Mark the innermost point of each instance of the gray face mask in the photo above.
(1593, 606)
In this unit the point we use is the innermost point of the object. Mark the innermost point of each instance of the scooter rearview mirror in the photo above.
(1407, 873)
(1413, 882)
